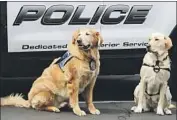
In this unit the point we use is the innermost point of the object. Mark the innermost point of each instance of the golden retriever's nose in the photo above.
(148, 47)
(79, 41)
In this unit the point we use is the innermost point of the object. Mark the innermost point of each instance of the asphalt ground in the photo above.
(109, 111)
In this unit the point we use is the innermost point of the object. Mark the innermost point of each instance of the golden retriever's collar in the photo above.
(90, 59)
(156, 53)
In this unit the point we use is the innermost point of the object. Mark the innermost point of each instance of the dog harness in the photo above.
(64, 59)
(67, 57)
(157, 67)
(152, 94)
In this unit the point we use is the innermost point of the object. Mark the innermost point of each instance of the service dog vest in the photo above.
(67, 57)
(64, 59)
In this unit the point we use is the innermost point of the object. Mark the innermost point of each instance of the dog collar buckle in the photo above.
(156, 68)
(92, 65)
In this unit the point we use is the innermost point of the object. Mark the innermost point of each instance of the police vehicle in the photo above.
(32, 34)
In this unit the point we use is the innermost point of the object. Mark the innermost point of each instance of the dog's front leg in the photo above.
(139, 107)
(74, 98)
(160, 106)
(88, 96)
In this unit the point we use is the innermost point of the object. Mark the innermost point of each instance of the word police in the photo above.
(130, 15)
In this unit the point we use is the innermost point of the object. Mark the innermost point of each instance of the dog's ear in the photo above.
(75, 35)
(168, 43)
(99, 37)
(150, 38)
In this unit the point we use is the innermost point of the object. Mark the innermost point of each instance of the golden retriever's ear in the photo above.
(100, 38)
(150, 38)
(168, 43)
(75, 35)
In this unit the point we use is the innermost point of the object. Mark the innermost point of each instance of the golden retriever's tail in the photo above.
(16, 100)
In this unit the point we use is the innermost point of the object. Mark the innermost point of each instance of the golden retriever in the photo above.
(59, 84)
(153, 91)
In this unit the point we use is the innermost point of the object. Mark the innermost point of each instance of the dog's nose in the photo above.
(79, 41)
(148, 46)
(88, 45)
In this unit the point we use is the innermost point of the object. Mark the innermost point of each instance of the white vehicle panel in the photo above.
(161, 18)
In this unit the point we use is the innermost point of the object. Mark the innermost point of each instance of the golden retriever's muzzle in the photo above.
(82, 46)
(148, 48)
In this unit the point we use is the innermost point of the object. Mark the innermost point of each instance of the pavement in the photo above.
(109, 111)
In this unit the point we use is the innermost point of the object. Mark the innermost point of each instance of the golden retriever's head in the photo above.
(86, 38)
(159, 43)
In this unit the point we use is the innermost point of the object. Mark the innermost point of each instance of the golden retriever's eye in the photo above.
(156, 39)
(87, 34)
(79, 34)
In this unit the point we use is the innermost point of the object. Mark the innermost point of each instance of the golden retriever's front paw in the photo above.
(160, 111)
(79, 112)
(95, 112)
(167, 111)
(52, 109)
(133, 108)
(92, 109)
(138, 109)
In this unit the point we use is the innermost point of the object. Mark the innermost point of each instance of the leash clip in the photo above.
(156, 68)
